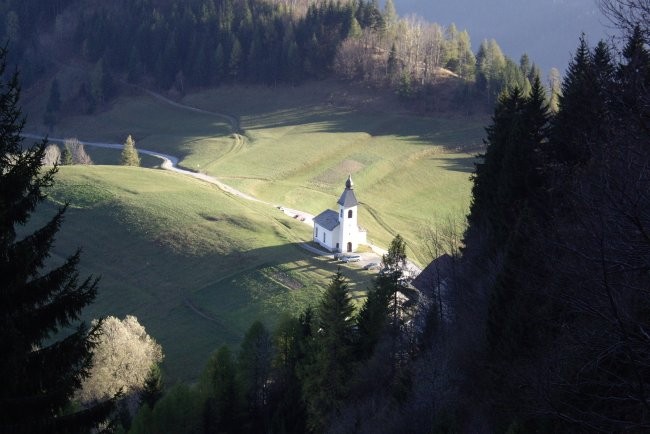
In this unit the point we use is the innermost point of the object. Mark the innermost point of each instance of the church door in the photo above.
(349, 247)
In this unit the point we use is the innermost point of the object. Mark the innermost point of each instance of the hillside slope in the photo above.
(195, 265)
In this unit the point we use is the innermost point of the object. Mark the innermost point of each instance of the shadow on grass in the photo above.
(460, 164)
(451, 133)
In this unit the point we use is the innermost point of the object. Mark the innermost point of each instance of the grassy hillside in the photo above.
(194, 264)
(300, 144)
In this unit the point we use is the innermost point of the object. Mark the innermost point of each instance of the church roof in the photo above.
(348, 199)
(328, 219)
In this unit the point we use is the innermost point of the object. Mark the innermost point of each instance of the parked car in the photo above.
(351, 258)
(371, 266)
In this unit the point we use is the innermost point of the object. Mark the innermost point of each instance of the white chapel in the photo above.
(339, 231)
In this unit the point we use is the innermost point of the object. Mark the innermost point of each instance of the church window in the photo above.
(341, 213)
(350, 214)
(325, 237)
(316, 229)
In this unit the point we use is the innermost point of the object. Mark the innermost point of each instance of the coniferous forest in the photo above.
(178, 45)
(538, 321)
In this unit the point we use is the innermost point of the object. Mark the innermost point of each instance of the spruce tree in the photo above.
(634, 75)
(578, 126)
(373, 315)
(327, 377)
(130, 155)
(66, 157)
(153, 387)
(223, 407)
(254, 369)
(39, 370)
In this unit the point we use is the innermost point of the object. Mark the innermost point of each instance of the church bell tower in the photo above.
(349, 229)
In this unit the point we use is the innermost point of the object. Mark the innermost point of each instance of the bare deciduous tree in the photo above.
(627, 14)
(76, 149)
(52, 155)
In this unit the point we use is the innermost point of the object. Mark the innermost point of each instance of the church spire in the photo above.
(349, 184)
(348, 199)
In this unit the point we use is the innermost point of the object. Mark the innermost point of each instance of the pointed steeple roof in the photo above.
(348, 199)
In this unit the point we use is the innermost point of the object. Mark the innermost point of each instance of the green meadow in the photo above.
(194, 264)
(300, 143)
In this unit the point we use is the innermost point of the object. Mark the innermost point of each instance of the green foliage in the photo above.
(582, 114)
(291, 339)
(130, 155)
(179, 411)
(552, 203)
(37, 301)
(372, 318)
(66, 157)
(405, 88)
(326, 376)
(496, 73)
(392, 65)
(153, 387)
(508, 177)
(395, 257)
(254, 368)
(223, 407)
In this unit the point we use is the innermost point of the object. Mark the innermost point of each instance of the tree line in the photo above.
(556, 253)
(181, 45)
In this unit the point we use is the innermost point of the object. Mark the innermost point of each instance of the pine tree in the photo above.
(578, 126)
(634, 75)
(39, 375)
(326, 378)
(291, 338)
(373, 315)
(153, 387)
(395, 258)
(392, 64)
(390, 14)
(130, 155)
(223, 408)
(254, 366)
(508, 178)
(66, 157)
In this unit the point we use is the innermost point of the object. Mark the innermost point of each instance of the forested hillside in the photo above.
(537, 324)
(178, 45)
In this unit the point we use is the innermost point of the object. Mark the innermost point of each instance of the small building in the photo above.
(339, 231)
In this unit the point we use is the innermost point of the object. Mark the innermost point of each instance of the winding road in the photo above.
(170, 162)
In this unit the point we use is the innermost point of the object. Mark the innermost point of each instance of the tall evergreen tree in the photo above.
(223, 406)
(255, 358)
(39, 375)
(327, 376)
(373, 315)
(130, 155)
(291, 339)
(508, 177)
(634, 75)
(578, 126)
(153, 387)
